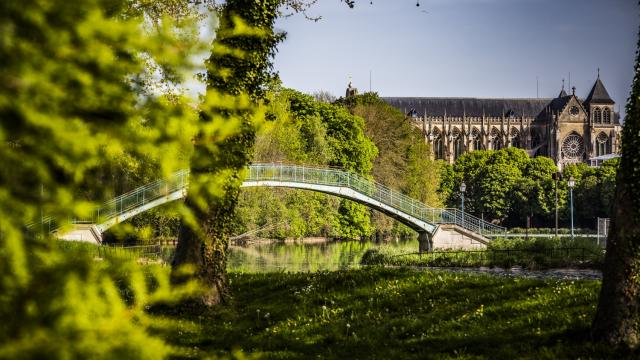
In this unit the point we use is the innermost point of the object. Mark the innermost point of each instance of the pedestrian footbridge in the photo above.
(440, 227)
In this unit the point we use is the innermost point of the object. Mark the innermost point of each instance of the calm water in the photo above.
(335, 255)
(300, 256)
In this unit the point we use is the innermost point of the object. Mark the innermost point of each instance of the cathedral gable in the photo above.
(573, 111)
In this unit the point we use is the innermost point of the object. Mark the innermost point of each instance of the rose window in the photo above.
(573, 146)
(602, 138)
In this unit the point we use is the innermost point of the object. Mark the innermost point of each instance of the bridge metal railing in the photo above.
(179, 181)
(124, 203)
(374, 190)
(142, 195)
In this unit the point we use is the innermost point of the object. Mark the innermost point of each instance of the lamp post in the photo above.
(571, 184)
(556, 177)
(463, 188)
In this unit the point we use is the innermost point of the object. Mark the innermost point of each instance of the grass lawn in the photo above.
(392, 314)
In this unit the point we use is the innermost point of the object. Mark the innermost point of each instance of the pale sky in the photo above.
(462, 48)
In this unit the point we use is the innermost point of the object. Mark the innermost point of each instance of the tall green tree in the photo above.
(506, 186)
(404, 159)
(239, 66)
(303, 130)
(593, 192)
(617, 319)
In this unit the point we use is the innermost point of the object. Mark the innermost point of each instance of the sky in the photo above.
(462, 48)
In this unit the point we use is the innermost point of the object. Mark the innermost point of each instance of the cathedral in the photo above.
(567, 128)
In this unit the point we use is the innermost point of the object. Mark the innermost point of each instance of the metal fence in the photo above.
(603, 231)
(496, 255)
(120, 251)
(142, 195)
(123, 203)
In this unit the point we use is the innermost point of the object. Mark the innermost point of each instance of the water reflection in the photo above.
(302, 257)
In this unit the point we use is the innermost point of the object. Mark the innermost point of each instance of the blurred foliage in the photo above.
(76, 101)
(617, 320)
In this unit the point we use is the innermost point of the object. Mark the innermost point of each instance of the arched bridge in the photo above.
(413, 213)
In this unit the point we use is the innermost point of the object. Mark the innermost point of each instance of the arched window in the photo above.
(496, 142)
(606, 116)
(515, 137)
(458, 147)
(535, 138)
(477, 142)
(597, 116)
(603, 145)
(438, 144)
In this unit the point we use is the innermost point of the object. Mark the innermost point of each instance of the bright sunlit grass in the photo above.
(392, 314)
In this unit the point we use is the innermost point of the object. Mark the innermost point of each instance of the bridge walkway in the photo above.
(420, 217)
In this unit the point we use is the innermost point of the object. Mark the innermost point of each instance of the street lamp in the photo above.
(463, 188)
(571, 184)
(556, 177)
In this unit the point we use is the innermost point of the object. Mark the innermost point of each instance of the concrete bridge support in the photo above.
(424, 241)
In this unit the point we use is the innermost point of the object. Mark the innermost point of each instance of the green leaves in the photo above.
(504, 185)
(81, 118)
(303, 130)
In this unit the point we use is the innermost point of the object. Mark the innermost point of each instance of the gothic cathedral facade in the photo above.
(566, 128)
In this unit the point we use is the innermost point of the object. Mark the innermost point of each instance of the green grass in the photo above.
(534, 254)
(386, 313)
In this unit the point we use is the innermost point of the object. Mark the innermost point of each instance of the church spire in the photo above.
(562, 92)
(598, 93)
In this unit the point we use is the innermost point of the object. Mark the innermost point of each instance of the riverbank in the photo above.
(248, 241)
(384, 313)
(534, 254)
(517, 271)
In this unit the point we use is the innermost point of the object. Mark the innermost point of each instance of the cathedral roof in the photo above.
(562, 93)
(434, 106)
(559, 103)
(598, 94)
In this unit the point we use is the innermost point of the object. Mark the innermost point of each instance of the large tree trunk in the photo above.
(617, 319)
(618, 316)
(205, 248)
(203, 242)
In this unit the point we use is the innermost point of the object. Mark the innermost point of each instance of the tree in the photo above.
(617, 319)
(593, 192)
(403, 161)
(505, 186)
(303, 130)
(239, 66)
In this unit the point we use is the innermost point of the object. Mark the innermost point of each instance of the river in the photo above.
(324, 255)
(305, 255)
